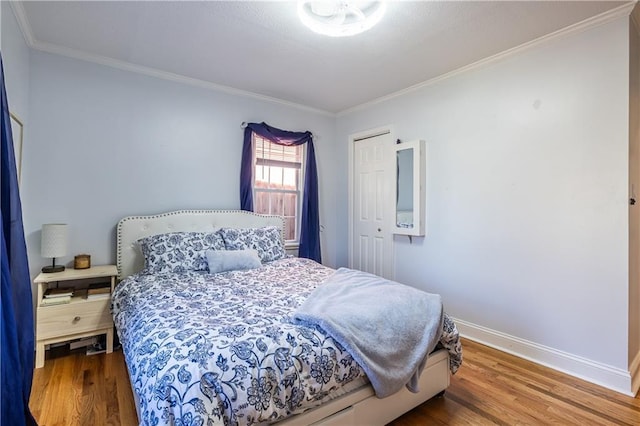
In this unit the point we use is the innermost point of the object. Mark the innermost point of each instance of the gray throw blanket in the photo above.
(388, 328)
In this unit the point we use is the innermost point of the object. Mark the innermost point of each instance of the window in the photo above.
(282, 180)
(278, 182)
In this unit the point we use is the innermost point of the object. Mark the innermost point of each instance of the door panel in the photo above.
(379, 256)
(372, 248)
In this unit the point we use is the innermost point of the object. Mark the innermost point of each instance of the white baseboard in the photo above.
(601, 374)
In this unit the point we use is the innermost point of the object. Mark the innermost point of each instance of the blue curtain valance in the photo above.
(310, 217)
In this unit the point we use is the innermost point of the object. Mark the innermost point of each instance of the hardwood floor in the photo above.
(491, 388)
(83, 390)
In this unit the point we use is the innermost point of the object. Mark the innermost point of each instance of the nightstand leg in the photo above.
(110, 340)
(39, 354)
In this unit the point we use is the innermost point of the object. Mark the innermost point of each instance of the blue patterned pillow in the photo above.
(232, 260)
(267, 241)
(179, 251)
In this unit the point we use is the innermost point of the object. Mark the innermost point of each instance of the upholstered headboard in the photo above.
(130, 229)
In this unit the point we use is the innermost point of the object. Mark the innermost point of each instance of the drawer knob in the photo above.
(76, 319)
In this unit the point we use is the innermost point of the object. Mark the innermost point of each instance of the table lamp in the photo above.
(54, 244)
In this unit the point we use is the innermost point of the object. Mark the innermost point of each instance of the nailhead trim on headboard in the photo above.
(192, 220)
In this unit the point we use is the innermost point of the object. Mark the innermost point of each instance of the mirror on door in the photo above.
(410, 188)
(404, 188)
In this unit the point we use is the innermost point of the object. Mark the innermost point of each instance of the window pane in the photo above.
(290, 228)
(260, 174)
(277, 203)
(275, 178)
(290, 178)
(261, 204)
(267, 150)
(278, 169)
(290, 203)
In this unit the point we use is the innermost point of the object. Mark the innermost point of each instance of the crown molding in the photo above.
(33, 43)
(153, 72)
(23, 22)
(628, 9)
(603, 18)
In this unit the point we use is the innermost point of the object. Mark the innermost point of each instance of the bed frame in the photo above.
(358, 407)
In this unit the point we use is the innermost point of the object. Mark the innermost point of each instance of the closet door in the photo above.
(373, 203)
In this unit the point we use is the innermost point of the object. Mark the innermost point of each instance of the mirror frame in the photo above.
(419, 188)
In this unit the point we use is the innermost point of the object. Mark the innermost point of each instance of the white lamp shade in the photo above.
(54, 240)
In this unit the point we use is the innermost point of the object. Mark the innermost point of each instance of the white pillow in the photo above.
(232, 260)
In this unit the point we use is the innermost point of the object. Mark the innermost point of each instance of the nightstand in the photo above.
(80, 317)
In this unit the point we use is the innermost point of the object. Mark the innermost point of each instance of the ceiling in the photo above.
(261, 47)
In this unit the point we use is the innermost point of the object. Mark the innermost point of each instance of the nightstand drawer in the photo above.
(73, 318)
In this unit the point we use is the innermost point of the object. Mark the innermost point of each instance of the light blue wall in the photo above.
(108, 143)
(527, 170)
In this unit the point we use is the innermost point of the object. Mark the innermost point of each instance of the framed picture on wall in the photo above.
(16, 130)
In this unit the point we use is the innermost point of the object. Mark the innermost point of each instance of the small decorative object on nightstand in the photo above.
(53, 244)
(82, 261)
(80, 316)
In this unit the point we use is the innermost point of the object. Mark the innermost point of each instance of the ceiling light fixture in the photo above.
(340, 18)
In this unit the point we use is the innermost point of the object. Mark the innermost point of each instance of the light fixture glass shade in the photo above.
(54, 240)
(340, 18)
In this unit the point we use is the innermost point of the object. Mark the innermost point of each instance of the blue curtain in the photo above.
(310, 217)
(16, 304)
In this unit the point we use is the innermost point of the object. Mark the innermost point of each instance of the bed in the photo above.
(219, 348)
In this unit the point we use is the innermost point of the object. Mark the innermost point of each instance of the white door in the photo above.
(372, 200)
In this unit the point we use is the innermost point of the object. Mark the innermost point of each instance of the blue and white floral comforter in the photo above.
(222, 348)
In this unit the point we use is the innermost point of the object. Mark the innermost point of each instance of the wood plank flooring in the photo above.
(491, 388)
(77, 389)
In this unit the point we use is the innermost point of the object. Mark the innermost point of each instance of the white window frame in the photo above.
(290, 244)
